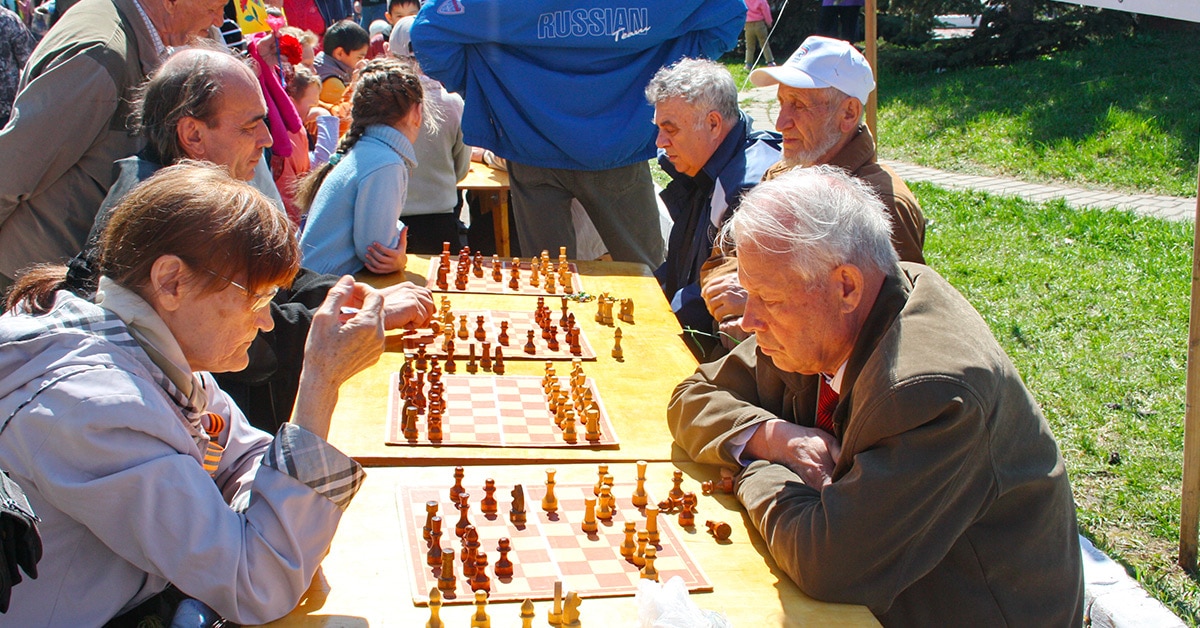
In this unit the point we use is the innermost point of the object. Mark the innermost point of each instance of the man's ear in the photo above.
(168, 276)
(191, 133)
(848, 114)
(714, 122)
(849, 285)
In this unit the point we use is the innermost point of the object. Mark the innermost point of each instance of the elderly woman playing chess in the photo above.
(150, 484)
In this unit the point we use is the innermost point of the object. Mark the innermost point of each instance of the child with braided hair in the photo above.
(354, 201)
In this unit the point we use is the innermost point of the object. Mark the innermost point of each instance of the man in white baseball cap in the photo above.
(823, 89)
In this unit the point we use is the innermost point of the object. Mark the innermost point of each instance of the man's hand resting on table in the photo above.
(406, 305)
(810, 452)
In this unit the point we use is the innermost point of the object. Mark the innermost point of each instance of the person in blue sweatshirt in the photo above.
(558, 93)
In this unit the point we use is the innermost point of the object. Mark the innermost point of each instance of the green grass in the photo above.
(1092, 307)
(1120, 115)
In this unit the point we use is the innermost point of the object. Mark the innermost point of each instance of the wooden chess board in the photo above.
(519, 324)
(549, 547)
(497, 411)
(487, 285)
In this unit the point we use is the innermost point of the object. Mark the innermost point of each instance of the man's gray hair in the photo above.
(815, 219)
(699, 82)
(187, 85)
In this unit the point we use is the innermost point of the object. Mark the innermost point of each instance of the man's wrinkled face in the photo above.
(238, 133)
(686, 134)
(189, 19)
(809, 124)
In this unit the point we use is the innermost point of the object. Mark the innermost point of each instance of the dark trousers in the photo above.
(839, 22)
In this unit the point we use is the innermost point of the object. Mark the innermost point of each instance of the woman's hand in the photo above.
(346, 337)
(384, 261)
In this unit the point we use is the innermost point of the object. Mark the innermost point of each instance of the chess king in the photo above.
(887, 447)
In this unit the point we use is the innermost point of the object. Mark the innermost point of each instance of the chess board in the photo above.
(486, 285)
(549, 547)
(497, 411)
(519, 324)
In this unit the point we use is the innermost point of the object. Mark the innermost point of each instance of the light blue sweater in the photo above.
(359, 203)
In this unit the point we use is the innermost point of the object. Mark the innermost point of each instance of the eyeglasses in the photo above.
(259, 301)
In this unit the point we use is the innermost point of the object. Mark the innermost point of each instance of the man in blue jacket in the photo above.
(557, 92)
(713, 155)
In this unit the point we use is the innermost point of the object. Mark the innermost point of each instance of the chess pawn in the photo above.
(640, 498)
(480, 619)
(446, 580)
(551, 285)
(569, 434)
(435, 427)
(435, 608)
(652, 524)
(639, 557)
(533, 273)
(648, 571)
(503, 337)
(589, 516)
(601, 471)
(497, 276)
(431, 508)
(504, 566)
(480, 332)
(719, 529)
(629, 546)
(676, 493)
(434, 557)
(489, 505)
(457, 489)
(549, 501)
(606, 490)
(449, 366)
(481, 581)
(604, 509)
(477, 267)
(592, 421)
(464, 509)
(527, 613)
(530, 347)
(485, 361)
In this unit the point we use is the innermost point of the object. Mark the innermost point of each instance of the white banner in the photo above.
(1188, 10)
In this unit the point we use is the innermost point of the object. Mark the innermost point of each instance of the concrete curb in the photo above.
(1114, 600)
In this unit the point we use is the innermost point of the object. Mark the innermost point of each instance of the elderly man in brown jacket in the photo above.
(823, 88)
(890, 454)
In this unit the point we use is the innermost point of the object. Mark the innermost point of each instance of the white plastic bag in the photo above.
(668, 606)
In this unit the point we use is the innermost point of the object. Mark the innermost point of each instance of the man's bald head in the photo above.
(193, 92)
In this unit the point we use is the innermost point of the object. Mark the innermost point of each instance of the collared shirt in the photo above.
(159, 46)
(736, 444)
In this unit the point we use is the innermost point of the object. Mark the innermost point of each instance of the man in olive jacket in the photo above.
(891, 455)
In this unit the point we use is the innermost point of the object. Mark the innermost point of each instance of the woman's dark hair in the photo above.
(345, 35)
(385, 91)
(197, 212)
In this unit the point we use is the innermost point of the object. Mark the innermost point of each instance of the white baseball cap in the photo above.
(822, 62)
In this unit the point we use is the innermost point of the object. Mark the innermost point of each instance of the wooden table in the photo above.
(364, 581)
(635, 390)
(491, 185)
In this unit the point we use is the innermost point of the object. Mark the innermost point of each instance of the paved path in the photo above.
(759, 103)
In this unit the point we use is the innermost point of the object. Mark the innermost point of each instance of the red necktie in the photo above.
(827, 400)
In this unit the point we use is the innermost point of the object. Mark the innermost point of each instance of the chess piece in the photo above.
(517, 514)
(481, 581)
(485, 360)
(504, 566)
(530, 347)
(409, 426)
(601, 471)
(497, 276)
(434, 557)
(551, 284)
(450, 367)
(687, 516)
(431, 508)
(469, 550)
(591, 419)
(464, 509)
(648, 571)
(498, 363)
(435, 427)
(573, 341)
(488, 505)
(640, 498)
(652, 524)
(552, 338)
(480, 619)
(458, 487)
(549, 501)
(418, 394)
(676, 493)
(604, 509)
(477, 266)
(503, 337)
(463, 334)
(570, 616)
(639, 557)
(608, 494)
(589, 515)
(527, 613)
(472, 365)
(446, 580)
(555, 616)
(617, 352)
(480, 332)
(569, 434)
(629, 546)
(533, 272)
(435, 608)
(719, 529)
